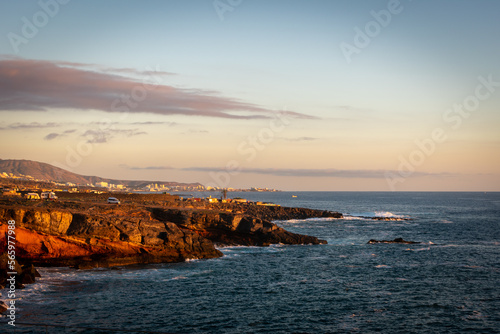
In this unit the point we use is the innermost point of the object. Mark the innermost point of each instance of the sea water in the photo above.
(449, 283)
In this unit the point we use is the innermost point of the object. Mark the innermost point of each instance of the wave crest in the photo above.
(376, 215)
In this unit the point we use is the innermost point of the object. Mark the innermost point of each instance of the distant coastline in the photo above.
(34, 174)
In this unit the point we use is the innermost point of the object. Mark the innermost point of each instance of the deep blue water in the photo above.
(448, 284)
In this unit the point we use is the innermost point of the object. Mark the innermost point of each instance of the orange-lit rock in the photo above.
(84, 233)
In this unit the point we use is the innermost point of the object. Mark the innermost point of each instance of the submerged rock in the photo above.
(26, 274)
(3, 307)
(395, 241)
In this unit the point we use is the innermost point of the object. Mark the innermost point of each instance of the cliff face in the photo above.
(48, 237)
(232, 229)
(50, 222)
(101, 236)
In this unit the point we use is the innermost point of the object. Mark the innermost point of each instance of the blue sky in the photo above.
(353, 124)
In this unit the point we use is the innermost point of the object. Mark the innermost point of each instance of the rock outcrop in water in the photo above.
(86, 235)
(395, 241)
(22, 274)
(279, 212)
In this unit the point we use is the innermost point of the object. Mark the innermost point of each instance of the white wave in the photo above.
(235, 251)
(375, 215)
(383, 215)
(226, 256)
(322, 219)
(347, 217)
(419, 249)
(32, 291)
(237, 248)
(298, 221)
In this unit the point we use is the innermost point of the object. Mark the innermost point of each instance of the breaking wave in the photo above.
(377, 215)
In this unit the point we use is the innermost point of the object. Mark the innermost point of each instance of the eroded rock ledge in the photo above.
(86, 235)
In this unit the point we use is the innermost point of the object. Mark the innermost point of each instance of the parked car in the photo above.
(113, 200)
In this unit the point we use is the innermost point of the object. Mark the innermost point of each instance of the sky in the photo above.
(295, 95)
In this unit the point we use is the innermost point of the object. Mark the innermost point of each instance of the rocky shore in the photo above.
(87, 233)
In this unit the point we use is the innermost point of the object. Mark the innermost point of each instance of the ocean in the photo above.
(447, 284)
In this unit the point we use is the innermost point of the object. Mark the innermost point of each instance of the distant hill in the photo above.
(45, 172)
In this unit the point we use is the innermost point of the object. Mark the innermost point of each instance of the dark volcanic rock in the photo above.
(232, 229)
(88, 235)
(100, 239)
(281, 212)
(3, 307)
(395, 241)
(26, 274)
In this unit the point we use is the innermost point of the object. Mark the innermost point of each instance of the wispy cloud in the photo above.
(353, 109)
(134, 123)
(193, 131)
(100, 68)
(51, 136)
(329, 172)
(37, 125)
(54, 135)
(103, 136)
(132, 71)
(41, 85)
(155, 123)
(299, 139)
(145, 168)
(32, 125)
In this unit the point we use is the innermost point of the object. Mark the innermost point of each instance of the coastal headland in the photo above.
(82, 230)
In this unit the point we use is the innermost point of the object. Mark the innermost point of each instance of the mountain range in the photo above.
(46, 172)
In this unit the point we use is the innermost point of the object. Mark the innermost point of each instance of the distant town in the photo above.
(26, 181)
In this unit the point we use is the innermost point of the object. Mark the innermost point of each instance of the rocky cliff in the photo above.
(232, 229)
(101, 235)
(51, 237)
(280, 212)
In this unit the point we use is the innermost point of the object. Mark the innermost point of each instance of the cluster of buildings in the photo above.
(29, 178)
(5, 175)
(105, 186)
(108, 186)
(155, 187)
(241, 190)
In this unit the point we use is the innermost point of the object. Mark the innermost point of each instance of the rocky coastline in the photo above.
(86, 232)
